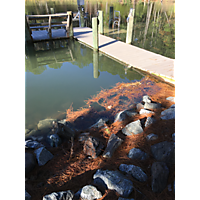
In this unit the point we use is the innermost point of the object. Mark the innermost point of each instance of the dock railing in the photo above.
(49, 22)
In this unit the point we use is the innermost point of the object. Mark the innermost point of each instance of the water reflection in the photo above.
(60, 73)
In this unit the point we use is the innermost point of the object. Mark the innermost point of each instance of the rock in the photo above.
(83, 136)
(135, 171)
(172, 106)
(146, 99)
(144, 111)
(136, 153)
(171, 99)
(30, 162)
(93, 147)
(89, 192)
(64, 195)
(168, 114)
(152, 106)
(113, 143)
(27, 131)
(133, 128)
(159, 174)
(64, 129)
(123, 115)
(43, 155)
(54, 140)
(164, 151)
(151, 137)
(97, 107)
(100, 123)
(139, 106)
(45, 124)
(120, 198)
(149, 120)
(114, 180)
(32, 144)
(27, 196)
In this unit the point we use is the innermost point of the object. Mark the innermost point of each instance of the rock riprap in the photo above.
(136, 153)
(32, 144)
(151, 137)
(90, 192)
(64, 195)
(27, 196)
(133, 128)
(54, 140)
(168, 113)
(114, 180)
(45, 124)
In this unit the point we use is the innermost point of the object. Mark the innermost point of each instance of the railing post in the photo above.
(69, 27)
(95, 33)
(100, 18)
(129, 34)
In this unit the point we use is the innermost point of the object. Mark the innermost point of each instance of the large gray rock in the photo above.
(135, 171)
(159, 175)
(45, 124)
(146, 99)
(30, 162)
(27, 196)
(113, 143)
(114, 180)
(27, 131)
(152, 106)
(43, 155)
(133, 128)
(149, 121)
(90, 192)
(145, 111)
(100, 123)
(32, 144)
(123, 115)
(83, 137)
(136, 153)
(171, 99)
(164, 151)
(151, 137)
(93, 147)
(54, 140)
(168, 114)
(64, 195)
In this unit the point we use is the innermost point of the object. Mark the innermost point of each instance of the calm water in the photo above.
(63, 72)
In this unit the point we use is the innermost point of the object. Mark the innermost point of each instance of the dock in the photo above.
(129, 54)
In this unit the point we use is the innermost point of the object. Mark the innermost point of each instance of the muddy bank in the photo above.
(72, 169)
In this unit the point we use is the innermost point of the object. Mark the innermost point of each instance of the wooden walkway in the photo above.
(129, 54)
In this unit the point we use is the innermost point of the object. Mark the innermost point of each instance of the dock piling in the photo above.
(69, 27)
(129, 34)
(110, 17)
(95, 33)
(100, 18)
(95, 64)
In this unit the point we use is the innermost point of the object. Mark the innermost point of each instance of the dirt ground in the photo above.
(71, 169)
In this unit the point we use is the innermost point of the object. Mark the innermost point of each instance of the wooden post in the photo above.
(49, 29)
(95, 33)
(69, 27)
(81, 19)
(100, 18)
(129, 34)
(28, 37)
(95, 64)
(52, 10)
(110, 17)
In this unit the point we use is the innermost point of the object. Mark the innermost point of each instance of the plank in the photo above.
(129, 54)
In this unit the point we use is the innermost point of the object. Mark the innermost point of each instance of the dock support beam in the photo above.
(100, 18)
(95, 64)
(95, 33)
(129, 34)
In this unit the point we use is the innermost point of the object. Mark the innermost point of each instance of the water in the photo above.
(60, 73)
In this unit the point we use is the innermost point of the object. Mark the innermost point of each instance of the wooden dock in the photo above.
(129, 54)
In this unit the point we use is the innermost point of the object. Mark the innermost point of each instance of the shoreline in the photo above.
(71, 169)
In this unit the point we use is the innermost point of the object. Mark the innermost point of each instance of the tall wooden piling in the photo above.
(100, 18)
(95, 33)
(110, 17)
(129, 34)
(69, 27)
